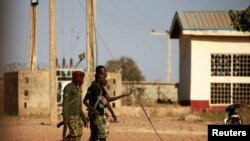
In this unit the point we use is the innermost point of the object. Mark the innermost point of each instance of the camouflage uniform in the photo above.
(97, 122)
(72, 111)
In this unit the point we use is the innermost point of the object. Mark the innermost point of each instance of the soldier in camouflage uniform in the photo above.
(73, 115)
(102, 70)
(96, 100)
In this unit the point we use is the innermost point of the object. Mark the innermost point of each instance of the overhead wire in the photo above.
(139, 23)
(75, 32)
(119, 20)
(140, 12)
(73, 35)
(98, 33)
(85, 11)
(125, 13)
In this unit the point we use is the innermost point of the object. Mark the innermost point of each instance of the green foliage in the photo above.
(129, 69)
(240, 19)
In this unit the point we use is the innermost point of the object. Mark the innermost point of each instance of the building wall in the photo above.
(34, 94)
(201, 50)
(27, 93)
(185, 70)
(11, 93)
(1, 95)
(115, 87)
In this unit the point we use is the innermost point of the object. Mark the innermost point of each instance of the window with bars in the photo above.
(241, 65)
(221, 93)
(241, 93)
(220, 65)
(230, 65)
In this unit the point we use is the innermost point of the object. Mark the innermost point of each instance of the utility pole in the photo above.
(52, 74)
(91, 35)
(169, 48)
(33, 36)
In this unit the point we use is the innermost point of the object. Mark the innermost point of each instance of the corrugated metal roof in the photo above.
(205, 20)
(200, 20)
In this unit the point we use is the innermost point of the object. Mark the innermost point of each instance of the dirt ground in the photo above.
(128, 128)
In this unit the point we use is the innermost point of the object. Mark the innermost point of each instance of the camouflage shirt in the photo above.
(72, 101)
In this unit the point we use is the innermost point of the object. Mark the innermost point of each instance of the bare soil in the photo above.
(128, 128)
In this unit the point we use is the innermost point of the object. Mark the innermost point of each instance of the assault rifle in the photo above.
(64, 129)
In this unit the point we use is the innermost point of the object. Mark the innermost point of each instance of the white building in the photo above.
(214, 60)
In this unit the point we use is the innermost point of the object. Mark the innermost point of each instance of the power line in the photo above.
(140, 12)
(120, 21)
(133, 19)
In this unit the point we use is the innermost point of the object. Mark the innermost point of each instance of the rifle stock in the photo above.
(59, 124)
(64, 132)
(64, 129)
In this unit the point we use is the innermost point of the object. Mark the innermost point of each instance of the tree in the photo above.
(129, 69)
(240, 19)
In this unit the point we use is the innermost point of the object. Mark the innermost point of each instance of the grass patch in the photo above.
(212, 116)
(219, 116)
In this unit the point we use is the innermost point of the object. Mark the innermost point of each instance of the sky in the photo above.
(124, 29)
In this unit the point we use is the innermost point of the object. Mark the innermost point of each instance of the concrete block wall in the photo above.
(26, 93)
(151, 92)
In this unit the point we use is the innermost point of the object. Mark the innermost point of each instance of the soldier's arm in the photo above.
(117, 97)
(83, 116)
(109, 106)
(66, 93)
(86, 103)
(111, 111)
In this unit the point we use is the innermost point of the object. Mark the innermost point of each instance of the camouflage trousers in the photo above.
(99, 127)
(75, 128)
